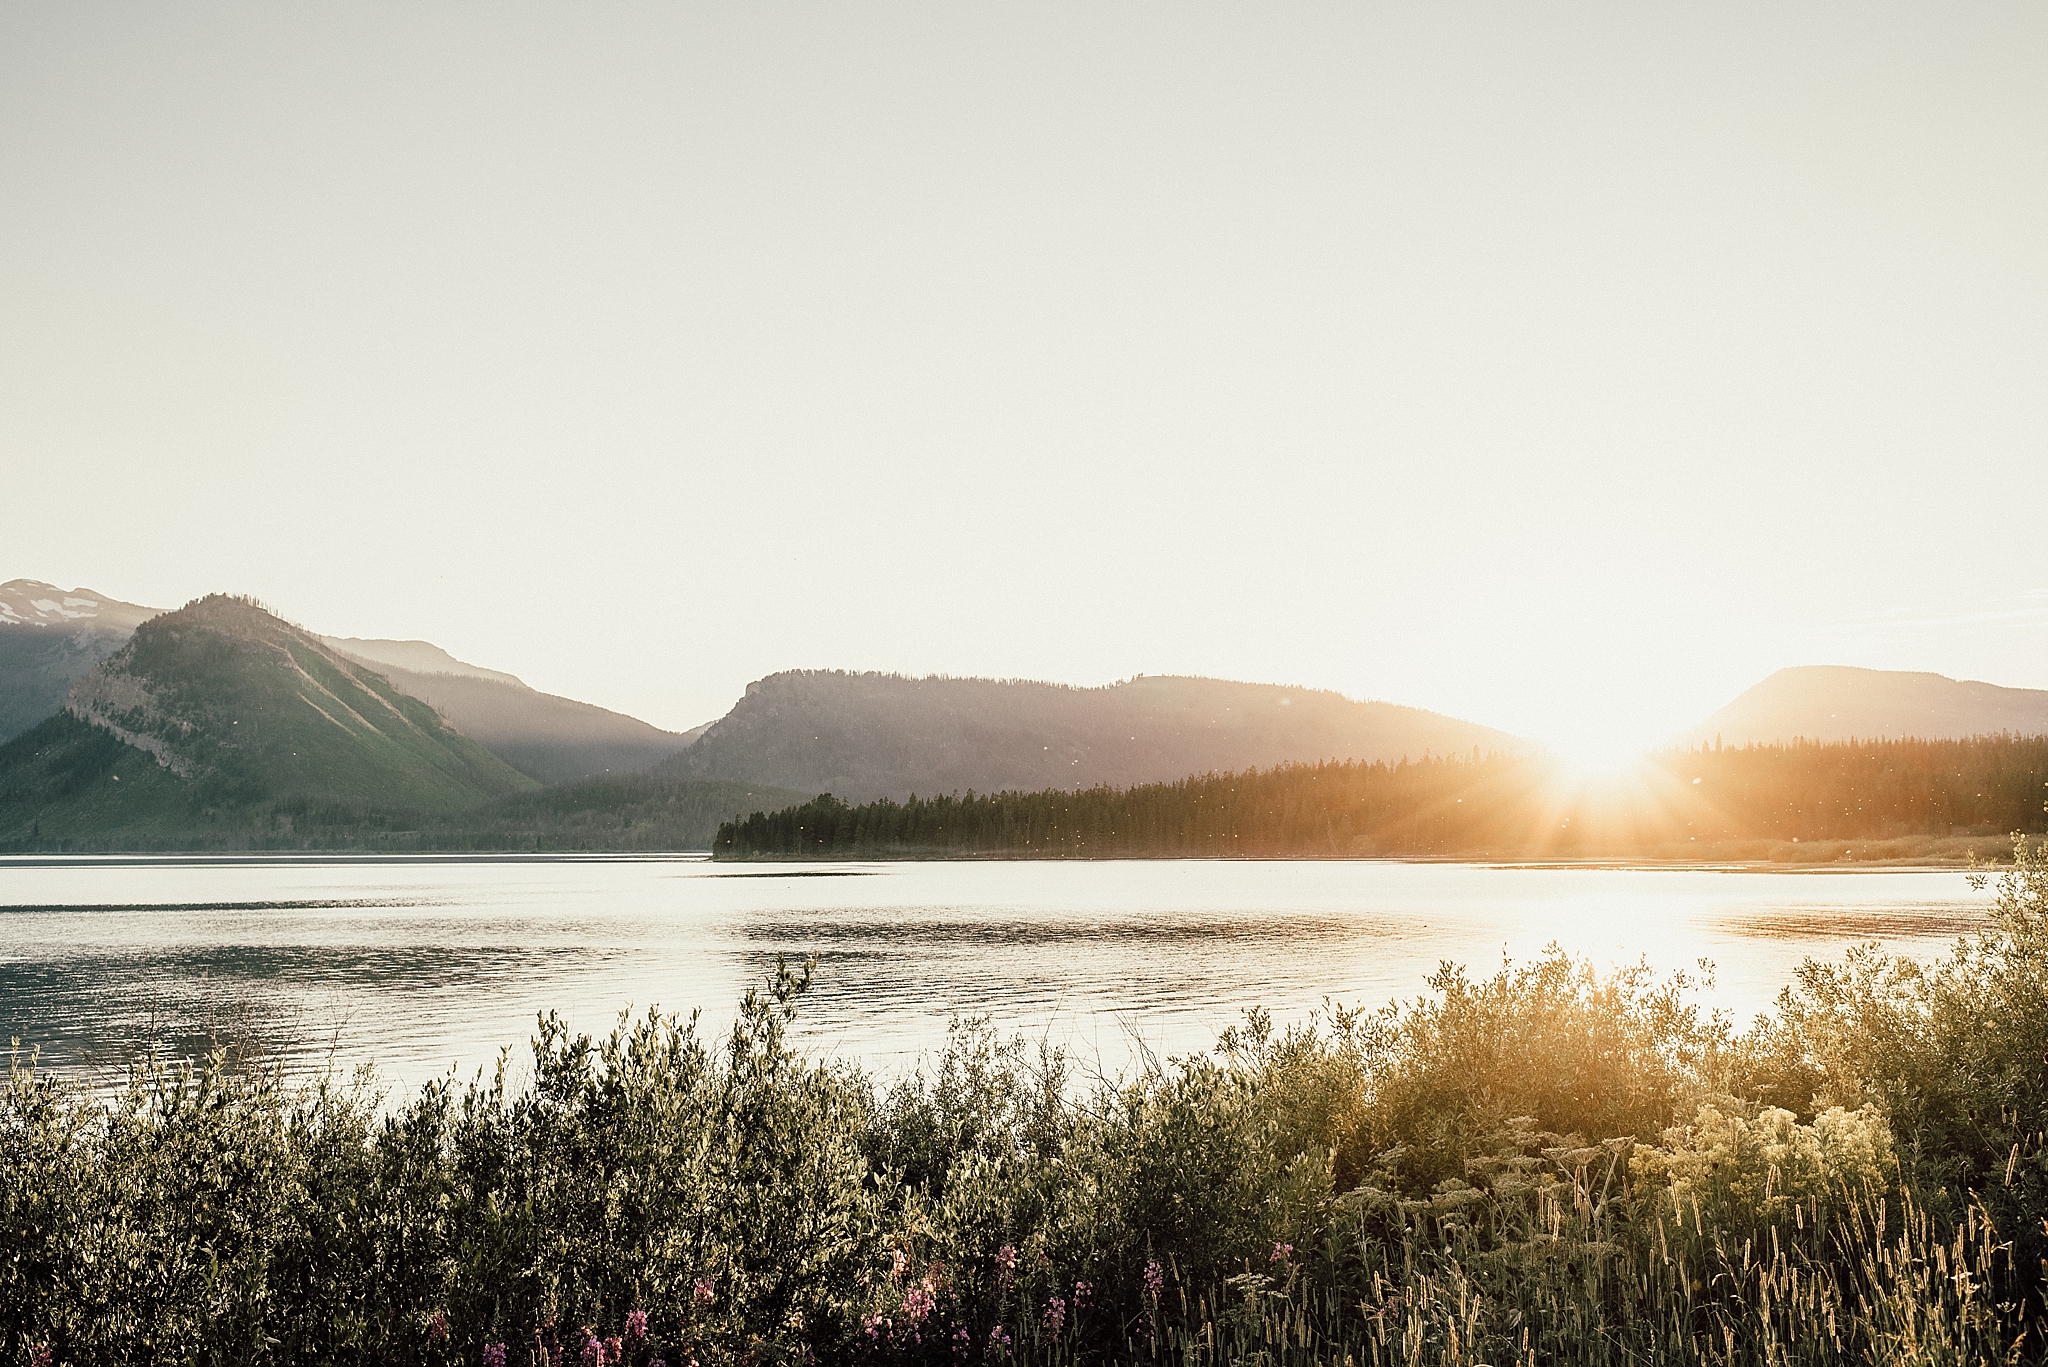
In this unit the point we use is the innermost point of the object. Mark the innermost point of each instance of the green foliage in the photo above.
(1684, 803)
(1750, 1170)
(1544, 1166)
(1955, 1053)
(1549, 1041)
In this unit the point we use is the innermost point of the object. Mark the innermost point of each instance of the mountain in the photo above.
(220, 719)
(415, 657)
(549, 738)
(1837, 702)
(48, 637)
(882, 735)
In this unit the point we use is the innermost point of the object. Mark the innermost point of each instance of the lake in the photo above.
(418, 964)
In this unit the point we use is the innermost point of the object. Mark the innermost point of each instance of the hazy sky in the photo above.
(1566, 368)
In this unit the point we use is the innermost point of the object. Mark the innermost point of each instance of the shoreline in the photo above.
(1952, 855)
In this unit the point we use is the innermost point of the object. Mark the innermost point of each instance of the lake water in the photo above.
(420, 964)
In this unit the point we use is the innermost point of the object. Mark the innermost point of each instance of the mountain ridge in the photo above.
(50, 637)
(220, 715)
(543, 735)
(1847, 702)
(414, 657)
(870, 735)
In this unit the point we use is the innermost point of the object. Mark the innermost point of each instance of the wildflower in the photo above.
(1055, 1315)
(1082, 1291)
(1155, 1279)
(39, 1356)
(918, 1302)
(593, 1351)
(614, 1350)
(875, 1324)
(636, 1326)
(897, 1262)
(437, 1327)
(999, 1342)
(704, 1291)
(963, 1343)
(1006, 1260)
(494, 1355)
(1281, 1252)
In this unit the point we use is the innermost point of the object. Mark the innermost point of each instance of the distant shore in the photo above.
(1900, 855)
(1906, 853)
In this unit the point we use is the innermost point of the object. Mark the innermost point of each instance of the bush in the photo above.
(1551, 1040)
(1544, 1166)
(1749, 1171)
(1955, 1054)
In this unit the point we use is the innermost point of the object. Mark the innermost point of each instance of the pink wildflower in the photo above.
(704, 1291)
(494, 1355)
(1155, 1279)
(1055, 1315)
(636, 1325)
(1281, 1252)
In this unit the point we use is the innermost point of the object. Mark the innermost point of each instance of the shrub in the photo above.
(1551, 1040)
(1746, 1171)
(1466, 1178)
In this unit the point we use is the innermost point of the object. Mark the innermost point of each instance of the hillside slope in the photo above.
(1837, 702)
(549, 738)
(879, 735)
(48, 637)
(221, 718)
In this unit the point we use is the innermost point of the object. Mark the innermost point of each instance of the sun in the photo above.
(1598, 755)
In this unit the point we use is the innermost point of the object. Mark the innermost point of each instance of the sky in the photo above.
(1568, 368)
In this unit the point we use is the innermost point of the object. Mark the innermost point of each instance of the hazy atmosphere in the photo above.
(1554, 367)
(1029, 685)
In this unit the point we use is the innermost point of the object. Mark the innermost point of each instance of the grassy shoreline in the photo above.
(1542, 1166)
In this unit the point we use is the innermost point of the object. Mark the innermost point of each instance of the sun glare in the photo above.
(1599, 756)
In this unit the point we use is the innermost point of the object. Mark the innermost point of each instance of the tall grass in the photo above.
(1543, 1166)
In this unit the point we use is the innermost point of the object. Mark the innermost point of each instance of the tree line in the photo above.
(1475, 804)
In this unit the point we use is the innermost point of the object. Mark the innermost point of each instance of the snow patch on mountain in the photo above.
(33, 603)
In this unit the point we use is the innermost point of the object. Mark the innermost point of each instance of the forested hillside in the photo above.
(884, 735)
(219, 719)
(1497, 806)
